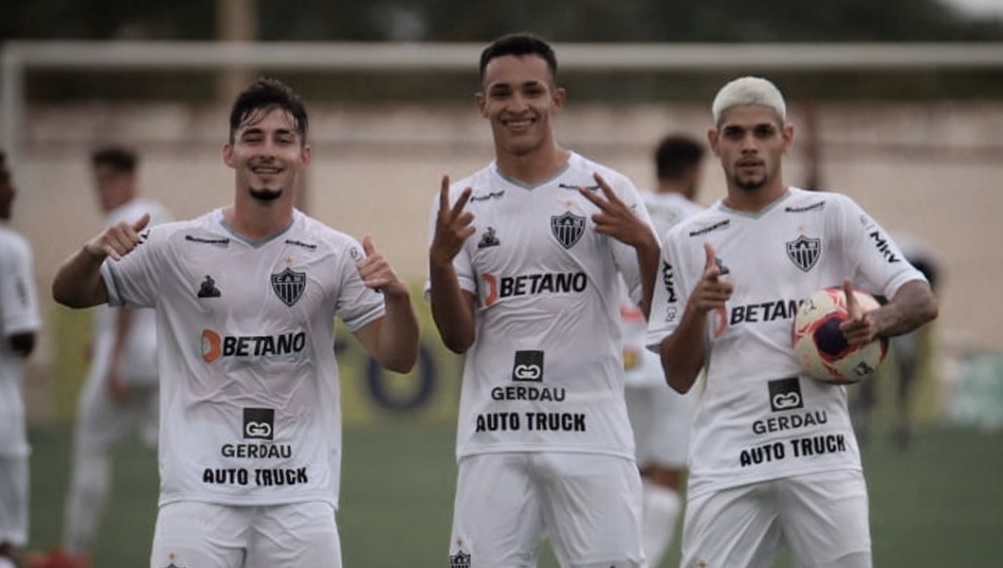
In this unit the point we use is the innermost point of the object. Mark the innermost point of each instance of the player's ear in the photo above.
(560, 95)
(306, 155)
(788, 134)
(481, 101)
(228, 154)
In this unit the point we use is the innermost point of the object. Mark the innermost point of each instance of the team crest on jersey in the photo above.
(459, 560)
(488, 239)
(567, 228)
(785, 394)
(804, 252)
(289, 285)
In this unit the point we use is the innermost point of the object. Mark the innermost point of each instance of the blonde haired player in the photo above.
(774, 461)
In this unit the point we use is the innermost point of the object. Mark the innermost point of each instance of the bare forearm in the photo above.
(912, 306)
(451, 310)
(398, 337)
(648, 257)
(683, 352)
(78, 282)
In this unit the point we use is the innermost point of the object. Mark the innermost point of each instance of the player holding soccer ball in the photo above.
(773, 460)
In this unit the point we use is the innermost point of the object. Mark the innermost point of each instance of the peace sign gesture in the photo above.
(452, 225)
(616, 218)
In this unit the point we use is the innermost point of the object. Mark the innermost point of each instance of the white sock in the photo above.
(661, 508)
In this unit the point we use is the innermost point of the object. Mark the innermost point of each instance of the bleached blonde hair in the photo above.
(749, 91)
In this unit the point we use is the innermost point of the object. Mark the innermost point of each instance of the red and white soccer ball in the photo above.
(820, 346)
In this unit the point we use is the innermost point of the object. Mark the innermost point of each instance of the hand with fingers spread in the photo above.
(453, 225)
(861, 327)
(616, 218)
(377, 272)
(711, 292)
(118, 240)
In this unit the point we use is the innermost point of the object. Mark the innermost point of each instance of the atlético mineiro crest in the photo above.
(567, 228)
(288, 285)
(459, 560)
(804, 252)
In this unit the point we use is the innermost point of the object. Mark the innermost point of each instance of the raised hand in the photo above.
(711, 292)
(118, 240)
(616, 218)
(376, 271)
(452, 225)
(860, 327)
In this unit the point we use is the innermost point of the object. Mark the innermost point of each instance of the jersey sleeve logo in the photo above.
(289, 285)
(804, 252)
(567, 228)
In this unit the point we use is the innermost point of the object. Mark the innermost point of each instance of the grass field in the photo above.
(938, 504)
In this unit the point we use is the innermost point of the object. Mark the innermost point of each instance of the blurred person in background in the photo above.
(523, 278)
(660, 416)
(19, 326)
(911, 355)
(774, 461)
(246, 298)
(119, 396)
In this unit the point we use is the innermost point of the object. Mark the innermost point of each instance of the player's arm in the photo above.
(913, 305)
(78, 282)
(616, 219)
(684, 351)
(123, 327)
(393, 339)
(452, 307)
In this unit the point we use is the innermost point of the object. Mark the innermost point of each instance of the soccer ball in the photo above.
(820, 346)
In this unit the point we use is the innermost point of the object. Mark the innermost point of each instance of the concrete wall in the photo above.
(930, 170)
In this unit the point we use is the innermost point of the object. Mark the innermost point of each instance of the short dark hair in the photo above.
(676, 154)
(519, 44)
(267, 94)
(118, 158)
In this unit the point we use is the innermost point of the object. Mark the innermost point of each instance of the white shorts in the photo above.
(103, 422)
(588, 505)
(822, 518)
(14, 500)
(206, 535)
(661, 419)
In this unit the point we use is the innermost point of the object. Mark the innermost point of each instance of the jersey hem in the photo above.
(244, 502)
(706, 487)
(550, 450)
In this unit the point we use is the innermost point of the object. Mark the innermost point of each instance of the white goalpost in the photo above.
(20, 57)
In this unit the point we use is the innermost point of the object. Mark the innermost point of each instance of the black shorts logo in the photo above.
(785, 394)
(528, 366)
(259, 423)
(459, 560)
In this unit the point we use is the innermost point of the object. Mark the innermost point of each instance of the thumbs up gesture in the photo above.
(119, 239)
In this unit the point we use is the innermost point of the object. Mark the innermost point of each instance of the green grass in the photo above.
(938, 504)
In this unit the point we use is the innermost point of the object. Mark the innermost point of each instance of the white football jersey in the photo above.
(644, 368)
(140, 356)
(249, 398)
(544, 372)
(18, 314)
(759, 417)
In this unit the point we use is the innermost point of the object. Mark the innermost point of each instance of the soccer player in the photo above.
(659, 415)
(19, 325)
(774, 461)
(120, 393)
(524, 264)
(245, 298)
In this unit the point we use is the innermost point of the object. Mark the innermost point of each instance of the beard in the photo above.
(265, 195)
